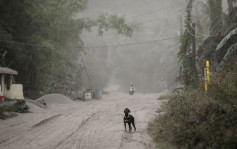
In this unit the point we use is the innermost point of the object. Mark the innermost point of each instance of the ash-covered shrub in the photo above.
(20, 106)
(195, 119)
(8, 111)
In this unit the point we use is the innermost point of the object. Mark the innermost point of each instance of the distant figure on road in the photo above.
(132, 85)
(131, 88)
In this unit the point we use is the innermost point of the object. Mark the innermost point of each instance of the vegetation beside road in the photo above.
(8, 111)
(195, 119)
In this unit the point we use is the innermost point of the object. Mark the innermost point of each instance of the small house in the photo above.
(7, 88)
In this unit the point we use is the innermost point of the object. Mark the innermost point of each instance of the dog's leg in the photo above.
(133, 123)
(130, 127)
(124, 124)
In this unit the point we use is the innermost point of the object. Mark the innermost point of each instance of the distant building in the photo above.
(7, 88)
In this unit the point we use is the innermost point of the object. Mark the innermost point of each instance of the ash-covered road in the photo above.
(95, 124)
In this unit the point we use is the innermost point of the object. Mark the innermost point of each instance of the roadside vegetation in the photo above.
(195, 118)
(168, 96)
(11, 110)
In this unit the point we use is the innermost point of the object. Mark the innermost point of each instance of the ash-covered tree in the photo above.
(42, 40)
(215, 12)
(189, 74)
(231, 5)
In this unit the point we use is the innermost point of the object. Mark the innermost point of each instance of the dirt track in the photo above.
(96, 124)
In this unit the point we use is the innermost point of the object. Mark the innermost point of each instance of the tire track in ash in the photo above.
(31, 131)
(142, 113)
(103, 131)
(43, 134)
(96, 124)
(66, 124)
(99, 132)
(136, 140)
(44, 121)
(83, 123)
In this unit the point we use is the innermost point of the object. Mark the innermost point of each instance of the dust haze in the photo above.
(148, 58)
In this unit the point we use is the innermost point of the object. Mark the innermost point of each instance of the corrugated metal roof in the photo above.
(8, 71)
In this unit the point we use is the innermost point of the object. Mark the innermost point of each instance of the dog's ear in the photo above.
(126, 110)
(129, 111)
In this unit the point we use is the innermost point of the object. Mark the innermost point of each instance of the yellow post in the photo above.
(205, 86)
(205, 78)
(208, 72)
(206, 75)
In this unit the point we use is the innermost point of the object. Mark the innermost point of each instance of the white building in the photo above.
(7, 89)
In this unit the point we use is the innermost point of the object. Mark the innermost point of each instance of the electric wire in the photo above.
(137, 43)
(107, 46)
(21, 43)
(210, 35)
(128, 44)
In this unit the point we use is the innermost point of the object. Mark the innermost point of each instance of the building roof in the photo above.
(8, 71)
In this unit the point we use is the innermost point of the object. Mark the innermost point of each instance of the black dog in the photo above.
(128, 119)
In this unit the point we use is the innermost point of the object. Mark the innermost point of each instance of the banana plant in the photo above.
(227, 46)
(231, 51)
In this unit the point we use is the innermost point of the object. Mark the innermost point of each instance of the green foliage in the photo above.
(5, 114)
(185, 40)
(167, 96)
(227, 40)
(3, 53)
(226, 49)
(105, 22)
(196, 119)
(230, 5)
(20, 106)
(230, 54)
(42, 40)
(224, 84)
(200, 38)
(215, 11)
(185, 57)
(8, 111)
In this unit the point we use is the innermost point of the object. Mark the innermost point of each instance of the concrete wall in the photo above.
(15, 92)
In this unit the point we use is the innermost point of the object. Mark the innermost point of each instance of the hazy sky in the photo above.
(152, 66)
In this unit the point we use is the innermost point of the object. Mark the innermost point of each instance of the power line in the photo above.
(22, 36)
(129, 44)
(167, 26)
(210, 35)
(21, 43)
(173, 24)
(118, 45)
(218, 21)
(32, 44)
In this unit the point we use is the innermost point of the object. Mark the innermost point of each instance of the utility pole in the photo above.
(86, 72)
(194, 46)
